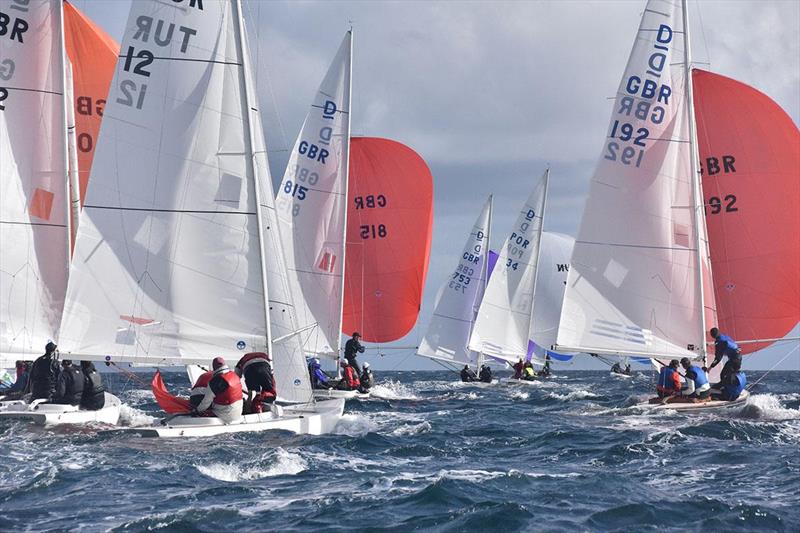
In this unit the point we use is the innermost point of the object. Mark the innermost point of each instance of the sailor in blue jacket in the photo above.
(733, 387)
(725, 347)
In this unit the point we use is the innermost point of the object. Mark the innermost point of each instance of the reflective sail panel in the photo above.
(389, 221)
(311, 204)
(167, 265)
(458, 299)
(93, 55)
(502, 327)
(633, 285)
(750, 155)
(33, 178)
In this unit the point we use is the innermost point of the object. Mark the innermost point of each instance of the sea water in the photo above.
(573, 453)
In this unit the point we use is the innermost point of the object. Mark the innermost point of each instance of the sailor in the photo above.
(367, 379)
(725, 347)
(224, 395)
(733, 387)
(528, 372)
(616, 368)
(257, 370)
(485, 375)
(697, 385)
(94, 393)
(20, 386)
(545, 372)
(319, 379)
(69, 389)
(200, 388)
(351, 349)
(467, 375)
(44, 374)
(349, 379)
(627, 370)
(669, 380)
(518, 367)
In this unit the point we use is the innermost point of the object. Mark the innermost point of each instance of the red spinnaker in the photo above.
(93, 55)
(389, 219)
(169, 403)
(750, 156)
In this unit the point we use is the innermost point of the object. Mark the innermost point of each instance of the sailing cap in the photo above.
(217, 363)
(674, 363)
(685, 361)
(366, 365)
(50, 347)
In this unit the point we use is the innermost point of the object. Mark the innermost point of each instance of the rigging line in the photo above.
(756, 382)
(703, 33)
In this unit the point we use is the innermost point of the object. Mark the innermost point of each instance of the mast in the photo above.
(346, 163)
(696, 183)
(65, 126)
(249, 143)
(538, 251)
(486, 249)
(74, 182)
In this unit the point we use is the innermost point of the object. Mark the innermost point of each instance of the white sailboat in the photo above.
(177, 256)
(640, 278)
(312, 214)
(447, 337)
(38, 189)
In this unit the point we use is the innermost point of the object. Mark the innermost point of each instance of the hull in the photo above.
(306, 419)
(620, 376)
(694, 407)
(521, 382)
(48, 414)
(328, 394)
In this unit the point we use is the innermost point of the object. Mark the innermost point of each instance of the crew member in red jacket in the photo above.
(200, 388)
(256, 367)
(350, 379)
(224, 394)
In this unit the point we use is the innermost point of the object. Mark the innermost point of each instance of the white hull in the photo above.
(50, 414)
(714, 404)
(522, 382)
(304, 419)
(9, 403)
(481, 384)
(329, 394)
(621, 376)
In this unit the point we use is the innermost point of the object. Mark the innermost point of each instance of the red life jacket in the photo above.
(250, 358)
(351, 377)
(228, 392)
(201, 385)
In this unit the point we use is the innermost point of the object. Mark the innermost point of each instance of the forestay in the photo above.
(458, 299)
(311, 204)
(502, 327)
(633, 285)
(167, 265)
(34, 255)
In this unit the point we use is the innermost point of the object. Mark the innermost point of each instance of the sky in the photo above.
(489, 94)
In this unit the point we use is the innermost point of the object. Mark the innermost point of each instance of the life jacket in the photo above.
(251, 358)
(70, 386)
(351, 378)
(731, 349)
(226, 386)
(367, 379)
(734, 387)
(200, 388)
(93, 391)
(529, 371)
(44, 375)
(701, 378)
(668, 380)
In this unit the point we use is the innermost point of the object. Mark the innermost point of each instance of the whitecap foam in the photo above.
(283, 463)
(133, 417)
(355, 425)
(393, 390)
(580, 394)
(413, 429)
(768, 407)
(519, 395)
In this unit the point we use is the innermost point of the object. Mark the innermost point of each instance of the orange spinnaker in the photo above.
(389, 219)
(169, 403)
(750, 156)
(93, 55)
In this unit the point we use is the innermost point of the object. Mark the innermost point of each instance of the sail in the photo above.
(311, 205)
(551, 281)
(633, 285)
(458, 299)
(93, 55)
(167, 262)
(389, 220)
(750, 155)
(34, 234)
(502, 327)
(169, 403)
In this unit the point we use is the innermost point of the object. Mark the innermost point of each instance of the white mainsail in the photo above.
(551, 277)
(168, 266)
(502, 328)
(312, 202)
(458, 299)
(634, 284)
(34, 197)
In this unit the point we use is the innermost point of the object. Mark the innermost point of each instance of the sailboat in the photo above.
(341, 229)
(641, 280)
(177, 258)
(55, 58)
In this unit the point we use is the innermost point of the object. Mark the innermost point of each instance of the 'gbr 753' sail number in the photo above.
(644, 102)
(136, 61)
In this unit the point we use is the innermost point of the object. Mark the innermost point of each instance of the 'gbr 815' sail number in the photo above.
(645, 99)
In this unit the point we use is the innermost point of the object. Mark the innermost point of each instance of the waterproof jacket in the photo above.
(94, 393)
(44, 375)
(69, 389)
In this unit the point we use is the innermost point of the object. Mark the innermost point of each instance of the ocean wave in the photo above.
(767, 407)
(579, 394)
(393, 390)
(133, 417)
(283, 463)
(414, 429)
